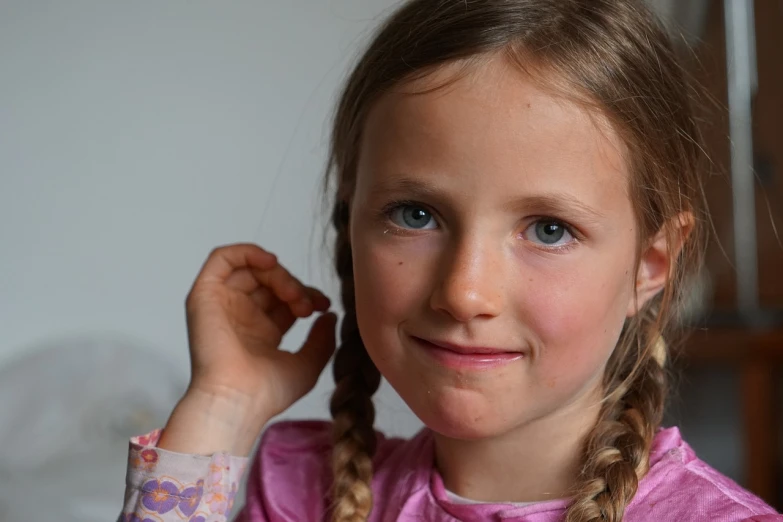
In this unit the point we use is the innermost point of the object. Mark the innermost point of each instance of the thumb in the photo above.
(316, 351)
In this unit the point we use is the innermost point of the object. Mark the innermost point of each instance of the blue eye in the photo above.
(548, 232)
(412, 216)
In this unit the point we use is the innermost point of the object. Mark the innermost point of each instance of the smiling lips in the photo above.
(467, 357)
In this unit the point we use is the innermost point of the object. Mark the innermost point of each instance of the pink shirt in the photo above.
(290, 478)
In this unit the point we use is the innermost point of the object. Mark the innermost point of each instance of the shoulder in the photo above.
(310, 440)
(291, 471)
(296, 437)
(680, 486)
(288, 478)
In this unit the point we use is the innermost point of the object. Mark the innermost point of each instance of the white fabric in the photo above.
(462, 500)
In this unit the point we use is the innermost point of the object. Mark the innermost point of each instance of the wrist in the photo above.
(208, 422)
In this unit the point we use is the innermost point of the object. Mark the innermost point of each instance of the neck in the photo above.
(534, 462)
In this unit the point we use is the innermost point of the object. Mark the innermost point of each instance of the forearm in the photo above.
(205, 423)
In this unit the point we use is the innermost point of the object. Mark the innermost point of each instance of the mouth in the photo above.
(463, 357)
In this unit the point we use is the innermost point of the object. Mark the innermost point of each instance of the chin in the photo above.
(461, 414)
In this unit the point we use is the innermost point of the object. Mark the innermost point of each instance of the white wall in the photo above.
(135, 136)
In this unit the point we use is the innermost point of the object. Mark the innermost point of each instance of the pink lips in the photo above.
(467, 357)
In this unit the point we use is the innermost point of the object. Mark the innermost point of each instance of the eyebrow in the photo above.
(411, 186)
(561, 203)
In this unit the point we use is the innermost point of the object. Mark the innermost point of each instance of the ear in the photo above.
(656, 262)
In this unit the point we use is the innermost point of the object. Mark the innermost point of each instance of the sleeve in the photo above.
(164, 486)
(764, 518)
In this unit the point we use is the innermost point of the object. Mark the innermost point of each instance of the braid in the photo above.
(356, 379)
(617, 451)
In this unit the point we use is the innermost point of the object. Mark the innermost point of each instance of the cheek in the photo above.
(577, 319)
(390, 285)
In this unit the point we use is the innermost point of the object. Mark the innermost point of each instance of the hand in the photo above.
(240, 306)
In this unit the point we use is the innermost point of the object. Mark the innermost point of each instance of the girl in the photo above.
(517, 204)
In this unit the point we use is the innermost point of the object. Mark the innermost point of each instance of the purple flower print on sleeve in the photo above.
(165, 486)
(160, 496)
(190, 498)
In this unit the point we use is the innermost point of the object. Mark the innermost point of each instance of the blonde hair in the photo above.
(614, 56)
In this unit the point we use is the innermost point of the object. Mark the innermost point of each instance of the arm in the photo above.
(240, 306)
(187, 472)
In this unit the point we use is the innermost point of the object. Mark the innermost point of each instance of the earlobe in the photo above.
(656, 264)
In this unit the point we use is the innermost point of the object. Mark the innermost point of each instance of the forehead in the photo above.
(489, 124)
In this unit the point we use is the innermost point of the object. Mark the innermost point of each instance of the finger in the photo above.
(312, 300)
(284, 285)
(280, 310)
(321, 302)
(319, 346)
(222, 261)
(282, 316)
(264, 298)
(280, 313)
(304, 367)
(243, 280)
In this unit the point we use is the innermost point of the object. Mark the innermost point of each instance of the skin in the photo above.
(481, 162)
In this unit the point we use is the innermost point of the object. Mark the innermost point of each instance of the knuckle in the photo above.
(232, 248)
(190, 299)
(295, 280)
(219, 251)
(194, 296)
(189, 304)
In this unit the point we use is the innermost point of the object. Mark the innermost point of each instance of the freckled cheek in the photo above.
(391, 282)
(577, 324)
(386, 273)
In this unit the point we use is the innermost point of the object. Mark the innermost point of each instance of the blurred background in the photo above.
(136, 136)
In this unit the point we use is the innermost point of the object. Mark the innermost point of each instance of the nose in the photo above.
(469, 282)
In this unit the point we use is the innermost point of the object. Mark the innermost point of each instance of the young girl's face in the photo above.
(494, 246)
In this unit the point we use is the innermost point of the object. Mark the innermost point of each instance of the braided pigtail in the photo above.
(356, 379)
(617, 450)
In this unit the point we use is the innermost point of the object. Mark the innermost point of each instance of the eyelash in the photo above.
(393, 206)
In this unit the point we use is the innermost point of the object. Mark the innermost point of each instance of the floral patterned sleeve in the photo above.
(163, 486)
